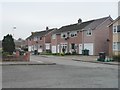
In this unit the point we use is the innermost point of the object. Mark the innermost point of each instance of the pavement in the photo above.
(91, 59)
(27, 63)
(81, 58)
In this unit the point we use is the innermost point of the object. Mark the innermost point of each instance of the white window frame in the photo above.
(35, 38)
(115, 46)
(118, 46)
(75, 32)
(114, 29)
(63, 34)
(88, 32)
(47, 45)
(54, 36)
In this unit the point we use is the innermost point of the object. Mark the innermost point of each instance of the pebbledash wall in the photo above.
(115, 37)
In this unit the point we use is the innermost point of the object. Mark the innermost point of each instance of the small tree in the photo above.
(8, 44)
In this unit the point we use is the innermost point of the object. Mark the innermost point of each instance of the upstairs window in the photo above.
(64, 35)
(118, 28)
(54, 36)
(89, 32)
(73, 34)
(35, 38)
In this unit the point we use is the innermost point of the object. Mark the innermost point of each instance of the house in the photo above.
(114, 46)
(92, 35)
(19, 43)
(40, 41)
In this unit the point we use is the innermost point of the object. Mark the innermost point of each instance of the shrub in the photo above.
(4, 54)
(116, 58)
(8, 44)
(61, 54)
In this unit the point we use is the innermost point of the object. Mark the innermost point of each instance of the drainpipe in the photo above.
(68, 50)
(82, 39)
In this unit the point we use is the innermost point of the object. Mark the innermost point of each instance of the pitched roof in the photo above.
(84, 25)
(96, 23)
(72, 27)
(40, 34)
(115, 20)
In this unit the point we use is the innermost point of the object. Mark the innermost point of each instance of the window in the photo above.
(118, 28)
(63, 35)
(114, 29)
(54, 36)
(89, 32)
(73, 34)
(116, 46)
(35, 38)
(40, 38)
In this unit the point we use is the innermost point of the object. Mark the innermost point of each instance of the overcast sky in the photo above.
(35, 16)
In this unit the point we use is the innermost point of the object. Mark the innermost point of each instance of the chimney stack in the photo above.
(47, 28)
(32, 33)
(79, 20)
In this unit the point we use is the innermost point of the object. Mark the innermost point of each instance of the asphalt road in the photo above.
(66, 74)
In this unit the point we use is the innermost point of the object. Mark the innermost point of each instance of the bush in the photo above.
(116, 58)
(8, 44)
(45, 53)
(61, 54)
(4, 54)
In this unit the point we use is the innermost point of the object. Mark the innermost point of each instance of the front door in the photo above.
(58, 49)
(80, 48)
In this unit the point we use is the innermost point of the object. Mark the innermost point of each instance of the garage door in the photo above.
(89, 46)
(53, 49)
(29, 48)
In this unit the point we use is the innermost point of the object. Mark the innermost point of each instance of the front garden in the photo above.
(10, 53)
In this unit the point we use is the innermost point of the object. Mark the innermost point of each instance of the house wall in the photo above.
(48, 38)
(116, 37)
(111, 41)
(101, 37)
(59, 41)
(88, 39)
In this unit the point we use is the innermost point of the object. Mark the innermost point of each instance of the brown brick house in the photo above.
(40, 41)
(92, 35)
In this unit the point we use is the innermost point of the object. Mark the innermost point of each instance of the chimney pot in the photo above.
(79, 20)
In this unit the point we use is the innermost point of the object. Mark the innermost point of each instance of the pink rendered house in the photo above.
(92, 35)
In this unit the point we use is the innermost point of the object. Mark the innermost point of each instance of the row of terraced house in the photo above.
(98, 35)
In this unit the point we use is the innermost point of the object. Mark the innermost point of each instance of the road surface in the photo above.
(65, 74)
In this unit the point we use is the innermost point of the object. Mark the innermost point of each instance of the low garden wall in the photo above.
(17, 57)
